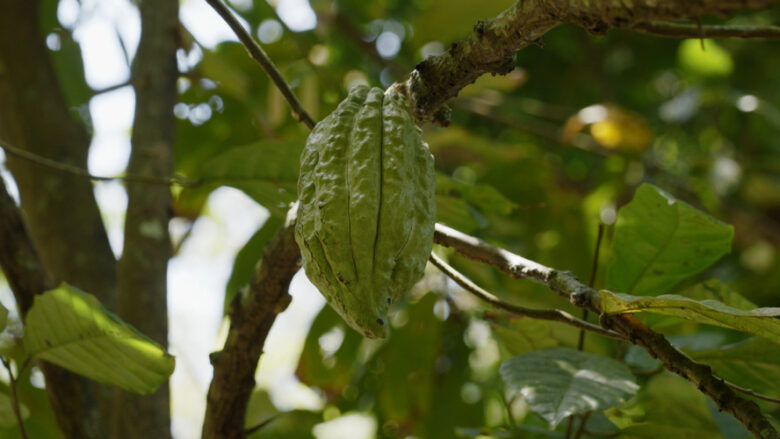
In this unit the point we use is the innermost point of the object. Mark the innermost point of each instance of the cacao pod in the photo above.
(366, 206)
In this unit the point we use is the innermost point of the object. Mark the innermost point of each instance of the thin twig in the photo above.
(259, 426)
(258, 54)
(678, 30)
(111, 88)
(752, 393)
(555, 315)
(593, 271)
(15, 398)
(79, 172)
(581, 429)
(581, 341)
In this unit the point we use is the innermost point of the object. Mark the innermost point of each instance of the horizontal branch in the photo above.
(79, 172)
(554, 315)
(679, 30)
(493, 43)
(565, 284)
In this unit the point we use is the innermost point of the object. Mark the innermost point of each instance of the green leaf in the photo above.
(705, 58)
(521, 335)
(248, 256)
(754, 364)
(559, 382)
(267, 171)
(714, 289)
(457, 214)
(669, 407)
(760, 321)
(660, 241)
(71, 329)
(333, 371)
(485, 197)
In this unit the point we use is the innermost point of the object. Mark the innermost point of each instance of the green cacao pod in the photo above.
(366, 206)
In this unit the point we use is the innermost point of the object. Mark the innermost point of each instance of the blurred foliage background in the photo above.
(533, 161)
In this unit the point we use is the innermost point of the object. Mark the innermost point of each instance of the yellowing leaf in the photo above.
(611, 126)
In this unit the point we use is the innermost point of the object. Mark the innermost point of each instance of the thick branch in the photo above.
(491, 47)
(251, 315)
(565, 284)
(142, 284)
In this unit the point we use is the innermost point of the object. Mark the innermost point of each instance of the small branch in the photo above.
(111, 88)
(79, 172)
(258, 54)
(679, 30)
(565, 284)
(552, 315)
(260, 426)
(15, 398)
(752, 393)
(593, 272)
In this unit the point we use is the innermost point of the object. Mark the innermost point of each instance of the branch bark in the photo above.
(565, 284)
(142, 284)
(492, 45)
(60, 212)
(252, 313)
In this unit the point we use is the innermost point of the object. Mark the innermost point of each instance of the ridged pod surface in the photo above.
(366, 206)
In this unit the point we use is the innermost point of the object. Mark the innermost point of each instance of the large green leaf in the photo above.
(754, 364)
(560, 382)
(71, 329)
(267, 171)
(760, 321)
(660, 241)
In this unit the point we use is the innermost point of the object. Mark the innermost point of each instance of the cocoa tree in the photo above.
(586, 158)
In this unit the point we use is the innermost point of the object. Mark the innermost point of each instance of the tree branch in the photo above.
(492, 45)
(679, 30)
(60, 212)
(258, 54)
(565, 284)
(70, 395)
(252, 313)
(142, 283)
(81, 172)
(555, 315)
